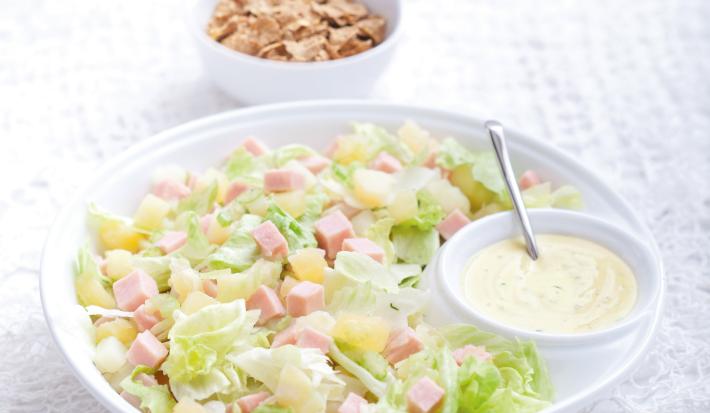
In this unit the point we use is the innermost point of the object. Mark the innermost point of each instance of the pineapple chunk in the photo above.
(119, 235)
(151, 212)
(188, 406)
(351, 149)
(118, 264)
(448, 196)
(231, 288)
(477, 194)
(372, 188)
(110, 355)
(416, 138)
(208, 178)
(365, 333)
(196, 301)
(216, 233)
(258, 206)
(404, 206)
(362, 222)
(293, 202)
(120, 328)
(91, 292)
(308, 264)
(295, 390)
(183, 283)
(286, 285)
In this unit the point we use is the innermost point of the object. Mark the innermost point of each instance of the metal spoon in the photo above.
(495, 130)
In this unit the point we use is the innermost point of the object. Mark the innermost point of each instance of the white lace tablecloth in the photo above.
(624, 86)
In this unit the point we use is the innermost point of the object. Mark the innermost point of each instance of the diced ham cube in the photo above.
(424, 396)
(234, 189)
(248, 403)
(305, 298)
(386, 163)
(364, 246)
(210, 288)
(205, 223)
(331, 230)
(270, 240)
(315, 163)
(103, 319)
(402, 344)
(144, 319)
(132, 290)
(352, 404)
(331, 149)
(452, 223)
(169, 190)
(312, 338)
(266, 300)
(430, 161)
(146, 379)
(134, 401)
(527, 179)
(347, 210)
(172, 241)
(254, 146)
(286, 336)
(282, 180)
(147, 350)
(479, 352)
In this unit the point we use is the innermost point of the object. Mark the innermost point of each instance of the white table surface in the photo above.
(624, 86)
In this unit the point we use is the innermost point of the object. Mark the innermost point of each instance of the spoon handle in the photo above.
(495, 130)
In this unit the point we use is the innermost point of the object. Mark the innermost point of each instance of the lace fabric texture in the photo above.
(623, 87)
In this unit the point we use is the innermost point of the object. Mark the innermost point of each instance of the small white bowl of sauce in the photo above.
(593, 280)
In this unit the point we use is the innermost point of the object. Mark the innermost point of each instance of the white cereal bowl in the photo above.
(253, 80)
(579, 373)
(445, 278)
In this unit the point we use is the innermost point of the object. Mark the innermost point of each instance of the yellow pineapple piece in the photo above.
(308, 264)
(351, 149)
(286, 285)
(258, 206)
(196, 301)
(216, 233)
(295, 389)
(477, 194)
(151, 212)
(116, 234)
(363, 332)
(403, 206)
(118, 264)
(372, 188)
(208, 178)
(293, 202)
(188, 406)
(120, 328)
(91, 292)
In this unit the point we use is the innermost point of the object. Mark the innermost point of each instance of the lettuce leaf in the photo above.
(429, 213)
(287, 153)
(352, 268)
(197, 364)
(373, 385)
(296, 235)
(156, 399)
(197, 247)
(452, 154)
(413, 245)
(242, 164)
(379, 233)
(200, 202)
(380, 139)
(244, 284)
(272, 408)
(240, 251)
(87, 266)
(157, 267)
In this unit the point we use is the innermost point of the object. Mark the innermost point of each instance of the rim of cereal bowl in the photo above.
(197, 31)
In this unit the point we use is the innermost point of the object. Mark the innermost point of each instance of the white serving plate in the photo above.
(579, 374)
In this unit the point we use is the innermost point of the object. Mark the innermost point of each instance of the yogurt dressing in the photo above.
(575, 285)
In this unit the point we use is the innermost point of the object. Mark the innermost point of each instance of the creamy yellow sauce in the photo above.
(575, 285)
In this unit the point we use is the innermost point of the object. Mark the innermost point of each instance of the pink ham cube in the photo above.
(430, 161)
(169, 190)
(282, 180)
(424, 396)
(266, 300)
(209, 287)
(315, 163)
(146, 379)
(172, 241)
(452, 223)
(132, 290)
(364, 246)
(312, 338)
(248, 403)
(147, 350)
(134, 401)
(254, 146)
(352, 404)
(270, 240)
(479, 352)
(144, 319)
(205, 221)
(347, 210)
(234, 189)
(331, 230)
(402, 344)
(527, 179)
(286, 336)
(386, 163)
(305, 298)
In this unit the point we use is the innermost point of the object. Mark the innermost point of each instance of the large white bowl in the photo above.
(253, 80)
(579, 374)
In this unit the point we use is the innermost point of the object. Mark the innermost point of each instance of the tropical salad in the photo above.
(285, 280)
